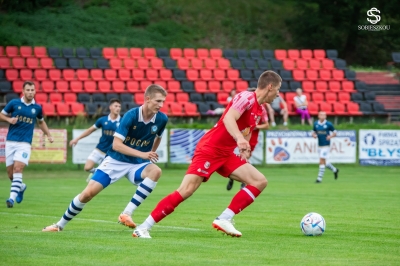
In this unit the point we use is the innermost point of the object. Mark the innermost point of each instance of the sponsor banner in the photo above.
(286, 147)
(42, 150)
(183, 143)
(379, 147)
(85, 146)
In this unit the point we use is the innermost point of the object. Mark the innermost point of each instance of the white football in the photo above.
(313, 224)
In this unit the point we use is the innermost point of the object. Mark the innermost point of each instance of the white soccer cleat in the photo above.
(52, 228)
(141, 233)
(227, 227)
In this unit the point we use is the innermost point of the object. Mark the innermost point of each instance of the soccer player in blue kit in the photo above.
(21, 114)
(133, 153)
(108, 124)
(324, 131)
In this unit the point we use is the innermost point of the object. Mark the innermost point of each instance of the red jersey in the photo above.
(218, 138)
(254, 136)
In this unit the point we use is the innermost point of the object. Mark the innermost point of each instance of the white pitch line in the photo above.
(100, 221)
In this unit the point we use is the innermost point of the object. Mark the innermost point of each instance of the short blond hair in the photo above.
(153, 89)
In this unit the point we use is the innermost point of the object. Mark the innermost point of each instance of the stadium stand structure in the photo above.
(70, 81)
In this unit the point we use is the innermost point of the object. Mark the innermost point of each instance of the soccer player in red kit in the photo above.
(214, 153)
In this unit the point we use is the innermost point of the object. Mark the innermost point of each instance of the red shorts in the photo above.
(205, 163)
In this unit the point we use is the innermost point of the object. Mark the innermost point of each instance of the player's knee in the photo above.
(259, 182)
(185, 192)
(156, 172)
(17, 169)
(86, 196)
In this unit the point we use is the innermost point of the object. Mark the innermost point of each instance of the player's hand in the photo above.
(12, 120)
(314, 135)
(328, 137)
(50, 138)
(245, 155)
(73, 142)
(151, 155)
(242, 144)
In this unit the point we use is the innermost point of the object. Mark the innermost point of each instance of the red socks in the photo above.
(166, 206)
(243, 198)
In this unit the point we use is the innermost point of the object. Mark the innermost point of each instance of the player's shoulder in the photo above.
(329, 123)
(37, 106)
(161, 117)
(132, 114)
(14, 102)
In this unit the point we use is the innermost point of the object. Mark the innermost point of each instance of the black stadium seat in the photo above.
(340, 64)
(88, 63)
(98, 97)
(253, 84)
(357, 97)
(284, 87)
(366, 108)
(2, 74)
(132, 105)
(110, 96)
(379, 108)
(60, 63)
(229, 53)
(102, 63)
(286, 75)
(203, 108)
(126, 97)
(74, 63)
(242, 54)
(68, 52)
(195, 97)
(91, 108)
(187, 86)
(276, 64)
(169, 63)
(95, 53)
(214, 105)
(332, 54)
(83, 98)
(11, 96)
(369, 96)
(236, 63)
(162, 53)
(263, 65)
(5, 87)
(105, 108)
(210, 97)
(294, 85)
(255, 54)
(360, 86)
(268, 54)
(179, 75)
(81, 52)
(350, 74)
(246, 74)
(257, 73)
(250, 64)
(53, 52)
(396, 57)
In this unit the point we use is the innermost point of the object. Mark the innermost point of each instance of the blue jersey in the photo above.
(22, 131)
(323, 130)
(108, 128)
(137, 134)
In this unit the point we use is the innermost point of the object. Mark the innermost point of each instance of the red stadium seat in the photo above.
(110, 74)
(192, 74)
(319, 54)
(68, 74)
(62, 86)
(327, 64)
(138, 74)
(76, 86)
(115, 63)
(228, 85)
(321, 85)
(129, 63)
(97, 74)
(18, 62)
(41, 98)
(77, 109)
(183, 63)
(156, 63)
(308, 86)
(170, 98)
(325, 74)
(232, 74)
(190, 109)
(176, 53)
(353, 108)
(200, 86)
(348, 86)
(135, 53)
(173, 86)
(182, 97)
(219, 74)
(312, 108)
(215, 53)
(32, 63)
(338, 108)
(306, 54)
(189, 53)
(139, 98)
(40, 51)
(326, 107)
(104, 86)
(165, 74)
(206, 74)
(40, 74)
(222, 98)
(176, 109)
(149, 53)
(165, 109)
(132, 86)
(90, 86)
(293, 54)
(144, 84)
(338, 74)
(55, 74)
(26, 74)
(12, 51)
(82, 74)
(122, 53)
(301, 64)
(289, 97)
(25, 51)
(315, 64)
(288, 64)
(334, 85)
(312, 74)
(151, 74)
(196, 63)
(161, 83)
(214, 86)
(202, 53)
(48, 86)
(241, 85)
(118, 86)
(223, 63)
(143, 63)
(124, 74)
(17, 86)
(108, 52)
(5, 62)
(63, 109)
(48, 109)
(317, 97)
(344, 97)
(331, 97)
(46, 62)
(12, 74)
(210, 63)
(56, 97)
(280, 54)
(298, 75)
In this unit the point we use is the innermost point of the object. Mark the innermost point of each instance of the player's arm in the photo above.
(43, 126)
(156, 143)
(263, 126)
(314, 132)
(84, 134)
(284, 104)
(333, 134)
(231, 126)
(5, 114)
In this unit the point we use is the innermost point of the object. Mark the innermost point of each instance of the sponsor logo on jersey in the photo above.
(207, 165)
(105, 123)
(202, 171)
(19, 107)
(24, 155)
(33, 111)
(154, 129)
(117, 124)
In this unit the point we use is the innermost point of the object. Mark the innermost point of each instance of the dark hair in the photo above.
(268, 77)
(28, 82)
(114, 100)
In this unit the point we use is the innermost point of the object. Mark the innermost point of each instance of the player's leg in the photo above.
(146, 175)
(330, 166)
(96, 157)
(322, 161)
(89, 166)
(230, 184)
(285, 116)
(271, 113)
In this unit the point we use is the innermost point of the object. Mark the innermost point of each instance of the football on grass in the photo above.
(313, 224)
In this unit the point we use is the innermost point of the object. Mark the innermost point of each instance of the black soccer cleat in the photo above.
(336, 173)
(230, 184)
(317, 181)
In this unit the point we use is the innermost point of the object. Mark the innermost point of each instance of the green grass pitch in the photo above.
(361, 210)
